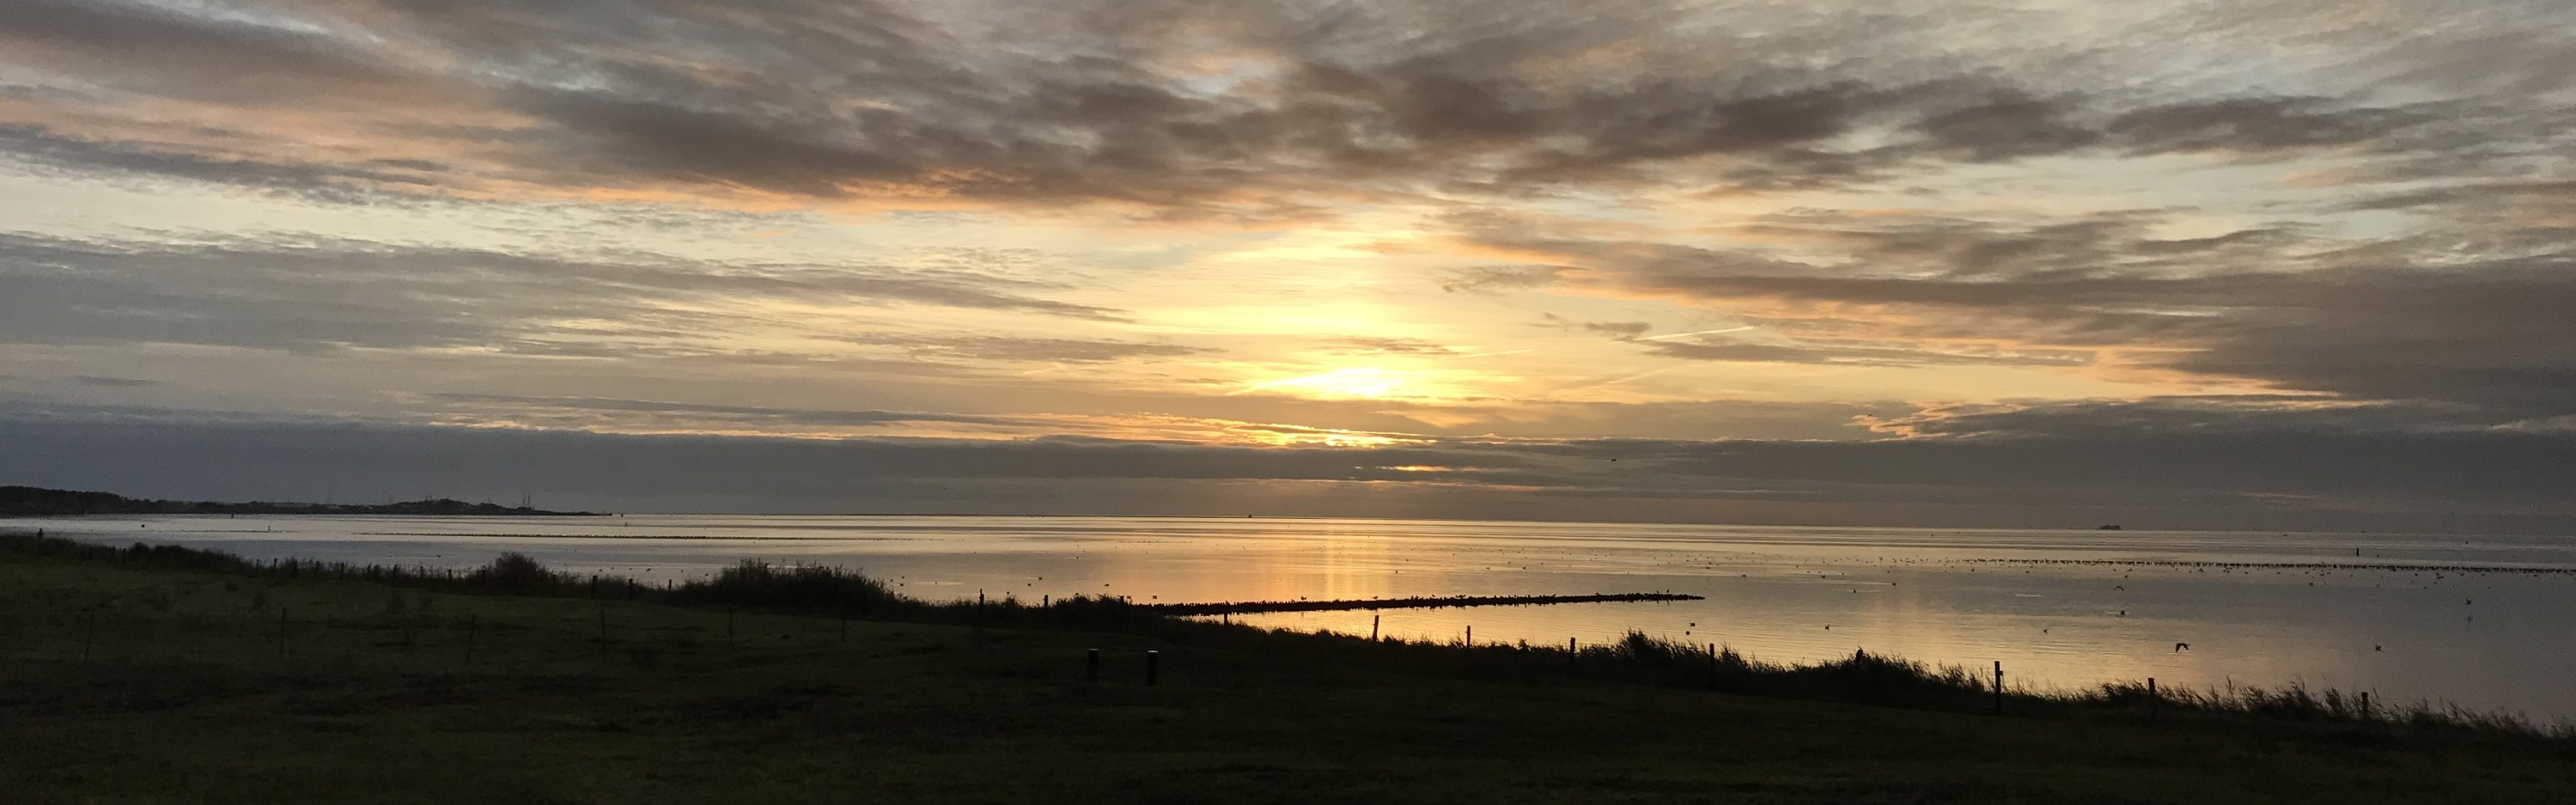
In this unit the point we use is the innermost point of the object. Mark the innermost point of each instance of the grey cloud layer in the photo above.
(2471, 313)
(332, 294)
(1265, 109)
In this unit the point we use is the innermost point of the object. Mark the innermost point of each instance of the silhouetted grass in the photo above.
(1637, 659)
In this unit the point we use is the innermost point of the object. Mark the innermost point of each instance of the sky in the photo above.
(2233, 265)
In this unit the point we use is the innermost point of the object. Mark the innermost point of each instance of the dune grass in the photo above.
(161, 675)
(1638, 659)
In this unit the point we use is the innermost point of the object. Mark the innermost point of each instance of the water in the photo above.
(2058, 608)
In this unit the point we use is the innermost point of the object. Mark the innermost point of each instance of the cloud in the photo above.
(1489, 279)
(332, 294)
(1370, 345)
(1620, 330)
(114, 382)
(1267, 110)
(2255, 124)
(2415, 318)
(1027, 349)
(1857, 355)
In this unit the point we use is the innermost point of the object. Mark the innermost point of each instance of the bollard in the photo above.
(1153, 666)
(1091, 667)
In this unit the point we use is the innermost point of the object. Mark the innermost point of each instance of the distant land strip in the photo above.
(1244, 607)
(29, 501)
(617, 536)
(2288, 565)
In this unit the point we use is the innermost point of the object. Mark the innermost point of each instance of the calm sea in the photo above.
(2486, 622)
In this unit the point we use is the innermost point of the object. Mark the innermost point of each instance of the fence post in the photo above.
(2155, 701)
(2365, 705)
(1091, 667)
(1999, 687)
(1373, 628)
(1570, 652)
(1153, 666)
(1471, 637)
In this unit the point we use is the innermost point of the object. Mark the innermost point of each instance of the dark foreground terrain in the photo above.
(155, 679)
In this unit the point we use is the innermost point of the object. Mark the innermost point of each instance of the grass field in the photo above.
(138, 682)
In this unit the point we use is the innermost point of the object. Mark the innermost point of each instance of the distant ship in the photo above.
(2111, 527)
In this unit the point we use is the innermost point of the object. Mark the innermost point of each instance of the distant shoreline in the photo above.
(29, 501)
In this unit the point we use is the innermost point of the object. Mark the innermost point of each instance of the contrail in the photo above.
(1701, 332)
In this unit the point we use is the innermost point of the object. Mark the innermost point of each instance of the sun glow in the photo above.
(1359, 382)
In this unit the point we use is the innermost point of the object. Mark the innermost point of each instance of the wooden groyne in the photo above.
(1242, 607)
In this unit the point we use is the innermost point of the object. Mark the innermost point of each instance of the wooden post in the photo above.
(2155, 701)
(1373, 628)
(1999, 687)
(1471, 637)
(1153, 666)
(1570, 652)
(2365, 705)
(1091, 667)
